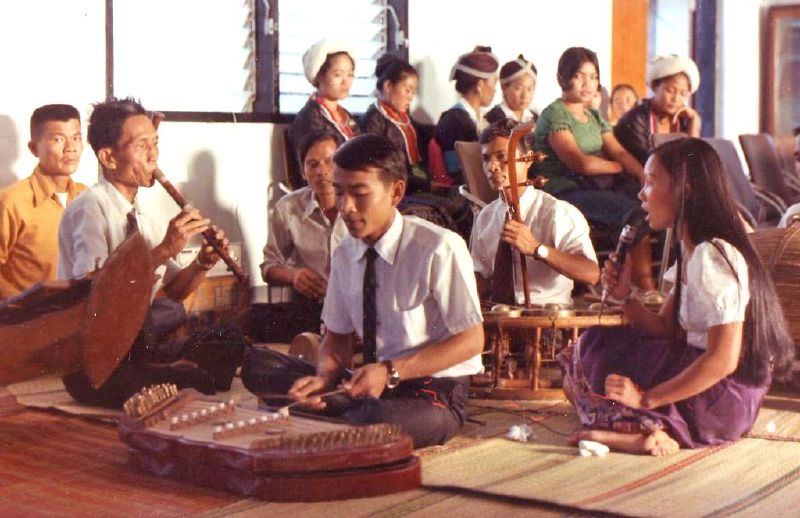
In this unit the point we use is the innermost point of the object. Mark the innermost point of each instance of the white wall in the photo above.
(739, 67)
(53, 51)
(441, 30)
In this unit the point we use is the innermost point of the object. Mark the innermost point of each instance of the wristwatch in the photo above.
(393, 377)
(541, 252)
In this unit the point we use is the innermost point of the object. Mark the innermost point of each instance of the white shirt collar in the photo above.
(467, 108)
(526, 114)
(387, 245)
(117, 197)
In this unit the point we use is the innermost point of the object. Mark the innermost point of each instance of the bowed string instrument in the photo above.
(208, 234)
(513, 190)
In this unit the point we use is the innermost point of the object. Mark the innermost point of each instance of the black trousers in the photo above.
(282, 321)
(430, 410)
(215, 355)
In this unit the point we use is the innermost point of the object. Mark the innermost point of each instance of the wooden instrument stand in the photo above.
(521, 349)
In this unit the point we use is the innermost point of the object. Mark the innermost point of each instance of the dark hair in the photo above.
(796, 131)
(571, 60)
(327, 64)
(481, 58)
(708, 210)
(624, 86)
(502, 129)
(655, 82)
(512, 67)
(372, 151)
(393, 69)
(314, 137)
(51, 112)
(107, 119)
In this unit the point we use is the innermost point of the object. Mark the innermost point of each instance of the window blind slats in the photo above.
(202, 49)
(362, 23)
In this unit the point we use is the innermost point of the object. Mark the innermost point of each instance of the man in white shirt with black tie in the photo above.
(419, 316)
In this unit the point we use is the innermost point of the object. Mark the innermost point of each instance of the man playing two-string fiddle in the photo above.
(553, 236)
(97, 222)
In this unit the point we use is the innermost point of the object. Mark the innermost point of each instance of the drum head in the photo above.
(116, 308)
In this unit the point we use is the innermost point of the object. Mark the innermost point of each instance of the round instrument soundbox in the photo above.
(89, 323)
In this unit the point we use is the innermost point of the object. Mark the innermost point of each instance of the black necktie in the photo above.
(503, 276)
(370, 326)
(132, 225)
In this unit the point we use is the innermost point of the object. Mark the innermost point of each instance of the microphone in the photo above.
(633, 222)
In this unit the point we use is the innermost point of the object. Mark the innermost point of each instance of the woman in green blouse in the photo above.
(585, 164)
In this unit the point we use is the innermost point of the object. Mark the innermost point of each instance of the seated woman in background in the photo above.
(475, 74)
(696, 373)
(388, 116)
(672, 79)
(585, 164)
(623, 99)
(329, 65)
(518, 83)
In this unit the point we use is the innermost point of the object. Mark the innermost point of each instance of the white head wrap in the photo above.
(315, 56)
(526, 68)
(474, 72)
(665, 66)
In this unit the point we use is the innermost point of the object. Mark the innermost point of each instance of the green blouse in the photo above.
(588, 136)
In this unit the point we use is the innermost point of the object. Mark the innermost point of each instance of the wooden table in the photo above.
(520, 349)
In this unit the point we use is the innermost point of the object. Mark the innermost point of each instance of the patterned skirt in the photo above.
(722, 413)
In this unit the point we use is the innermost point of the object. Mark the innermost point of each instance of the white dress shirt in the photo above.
(552, 222)
(95, 224)
(714, 292)
(426, 290)
(300, 235)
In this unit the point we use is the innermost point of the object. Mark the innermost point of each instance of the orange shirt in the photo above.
(29, 215)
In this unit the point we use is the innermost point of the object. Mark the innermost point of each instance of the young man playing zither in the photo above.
(553, 236)
(30, 209)
(406, 287)
(126, 144)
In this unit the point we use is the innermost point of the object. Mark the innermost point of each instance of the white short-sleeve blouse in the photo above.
(715, 289)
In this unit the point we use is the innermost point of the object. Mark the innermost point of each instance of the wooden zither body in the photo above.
(269, 455)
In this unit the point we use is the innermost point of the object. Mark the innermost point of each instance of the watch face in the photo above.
(542, 251)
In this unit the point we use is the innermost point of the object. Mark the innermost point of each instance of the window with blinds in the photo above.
(185, 55)
(301, 23)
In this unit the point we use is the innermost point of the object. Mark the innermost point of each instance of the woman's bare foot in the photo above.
(658, 443)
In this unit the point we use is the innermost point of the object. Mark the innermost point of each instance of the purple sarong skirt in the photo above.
(718, 415)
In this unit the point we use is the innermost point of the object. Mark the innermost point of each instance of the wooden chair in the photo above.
(294, 176)
(477, 189)
(760, 208)
(766, 170)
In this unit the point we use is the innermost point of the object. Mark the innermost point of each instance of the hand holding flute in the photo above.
(189, 222)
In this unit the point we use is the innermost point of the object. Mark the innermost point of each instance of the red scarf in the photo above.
(402, 122)
(345, 127)
(674, 127)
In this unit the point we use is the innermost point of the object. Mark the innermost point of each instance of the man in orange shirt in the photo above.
(30, 209)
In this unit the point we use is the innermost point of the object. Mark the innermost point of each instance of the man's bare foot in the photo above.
(658, 443)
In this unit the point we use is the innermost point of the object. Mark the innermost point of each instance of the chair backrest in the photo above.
(765, 167)
(738, 183)
(294, 178)
(784, 145)
(469, 154)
